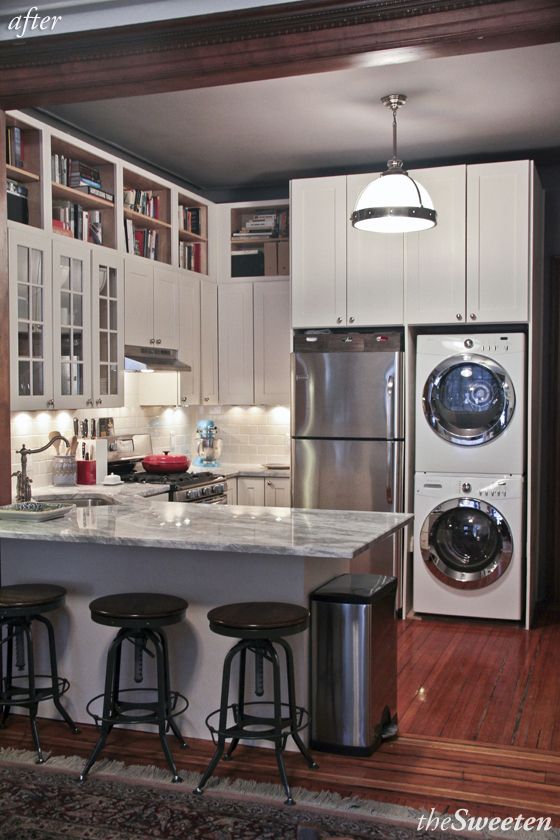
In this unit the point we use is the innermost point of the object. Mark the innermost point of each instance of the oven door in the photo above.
(210, 500)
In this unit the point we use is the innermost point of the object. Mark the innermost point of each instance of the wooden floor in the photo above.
(479, 727)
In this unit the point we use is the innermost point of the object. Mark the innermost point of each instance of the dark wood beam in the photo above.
(267, 42)
(5, 443)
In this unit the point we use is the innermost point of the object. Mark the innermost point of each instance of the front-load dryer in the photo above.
(470, 403)
(468, 545)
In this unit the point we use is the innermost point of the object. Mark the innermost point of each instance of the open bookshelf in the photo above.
(260, 242)
(193, 235)
(83, 194)
(147, 217)
(23, 165)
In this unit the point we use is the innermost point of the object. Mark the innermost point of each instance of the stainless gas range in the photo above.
(125, 456)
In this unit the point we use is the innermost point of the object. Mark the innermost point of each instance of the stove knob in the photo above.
(466, 487)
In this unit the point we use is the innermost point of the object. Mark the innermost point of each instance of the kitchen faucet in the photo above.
(23, 487)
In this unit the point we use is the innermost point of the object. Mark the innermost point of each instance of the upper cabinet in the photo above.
(107, 328)
(435, 258)
(151, 304)
(255, 240)
(208, 343)
(473, 267)
(500, 229)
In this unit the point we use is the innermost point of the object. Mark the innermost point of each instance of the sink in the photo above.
(78, 500)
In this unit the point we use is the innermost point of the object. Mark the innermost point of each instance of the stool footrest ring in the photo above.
(125, 708)
(16, 695)
(246, 719)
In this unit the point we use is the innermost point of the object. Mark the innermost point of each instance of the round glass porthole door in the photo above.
(466, 543)
(468, 399)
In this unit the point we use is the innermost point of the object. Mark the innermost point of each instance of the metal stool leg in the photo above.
(162, 701)
(32, 692)
(54, 674)
(111, 684)
(240, 701)
(223, 718)
(170, 721)
(10, 636)
(279, 740)
(292, 703)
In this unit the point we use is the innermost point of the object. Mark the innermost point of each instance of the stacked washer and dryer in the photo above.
(469, 475)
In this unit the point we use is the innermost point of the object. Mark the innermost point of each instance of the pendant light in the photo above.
(394, 202)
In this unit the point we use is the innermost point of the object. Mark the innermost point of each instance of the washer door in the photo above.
(466, 543)
(468, 399)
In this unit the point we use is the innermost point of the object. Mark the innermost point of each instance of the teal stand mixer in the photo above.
(209, 445)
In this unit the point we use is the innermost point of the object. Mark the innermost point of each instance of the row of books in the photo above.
(80, 176)
(190, 219)
(264, 225)
(73, 220)
(141, 241)
(142, 201)
(14, 146)
(190, 255)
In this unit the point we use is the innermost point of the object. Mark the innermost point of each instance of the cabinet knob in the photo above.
(472, 316)
(183, 399)
(152, 341)
(339, 320)
(89, 402)
(206, 399)
(99, 402)
(269, 483)
(459, 316)
(351, 319)
(158, 340)
(50, 403)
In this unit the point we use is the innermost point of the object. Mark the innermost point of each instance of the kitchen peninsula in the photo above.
(209, 555)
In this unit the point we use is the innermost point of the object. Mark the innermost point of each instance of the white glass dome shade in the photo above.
(394, 203)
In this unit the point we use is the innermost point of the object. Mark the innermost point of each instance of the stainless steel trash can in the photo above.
(353, 664)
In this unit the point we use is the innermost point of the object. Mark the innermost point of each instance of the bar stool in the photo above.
(258, 626)
(140, 617)
(20, 605)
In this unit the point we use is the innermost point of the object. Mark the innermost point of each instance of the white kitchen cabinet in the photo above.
(231, 493)
(31, 371)
(375, 268)
(318, 251)
(250, 491)
(189, 340)
(235, 330)
(271, 301)
(151, 304)
(277, 492)
(107, 328)
(499, 226)
(435, 258)
(209, 342)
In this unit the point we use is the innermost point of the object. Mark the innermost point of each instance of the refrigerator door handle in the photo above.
(390, 471)
(390, 406)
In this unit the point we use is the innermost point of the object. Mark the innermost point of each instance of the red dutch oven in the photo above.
(166, 463)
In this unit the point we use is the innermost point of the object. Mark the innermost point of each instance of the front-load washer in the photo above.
(468, 545)
(470, 403)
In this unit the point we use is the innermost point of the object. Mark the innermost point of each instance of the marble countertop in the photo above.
(232, 470)
(119, 492)
(135, 520)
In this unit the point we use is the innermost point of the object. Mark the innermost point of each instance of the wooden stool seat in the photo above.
(138, 609)
(30, 599)
(264, 620)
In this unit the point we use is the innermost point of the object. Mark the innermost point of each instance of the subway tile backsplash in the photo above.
(250, 434)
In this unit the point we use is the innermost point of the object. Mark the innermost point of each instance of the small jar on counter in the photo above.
(64, 470)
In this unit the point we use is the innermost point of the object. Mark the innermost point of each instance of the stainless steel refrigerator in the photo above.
(348, 428)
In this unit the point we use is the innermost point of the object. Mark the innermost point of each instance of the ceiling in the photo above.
(263, 133)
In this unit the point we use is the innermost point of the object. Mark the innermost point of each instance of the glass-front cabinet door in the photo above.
(30, 320)
(108, 329)
(72, 324)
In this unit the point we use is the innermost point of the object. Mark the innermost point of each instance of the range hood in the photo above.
(152, 358)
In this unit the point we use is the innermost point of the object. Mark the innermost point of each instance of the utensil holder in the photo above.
(86, 472)
(64, 471)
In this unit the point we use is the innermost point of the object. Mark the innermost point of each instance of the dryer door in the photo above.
(466, 543)
(468, 399)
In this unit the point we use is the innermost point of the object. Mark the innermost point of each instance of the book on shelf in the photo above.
(14, 146)
(16, 188)
(73, 220)
(145, 202)
(142, 242)
(190, 256)
(263, 233)
(190, 219)
(73, 173)
(95, 191)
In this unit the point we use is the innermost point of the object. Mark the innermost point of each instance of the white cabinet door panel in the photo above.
(375, 269)
(277, 492)
(318, 251)
(189, 339)
(272, 342)
(498, 255)
(209, 343)
(235, 319)
(139, 302)
(435, 258)
(250, 491)
(107, 328)
(231, 493)
(166, 307)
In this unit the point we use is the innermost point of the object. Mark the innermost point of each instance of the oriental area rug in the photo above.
(120, 802)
